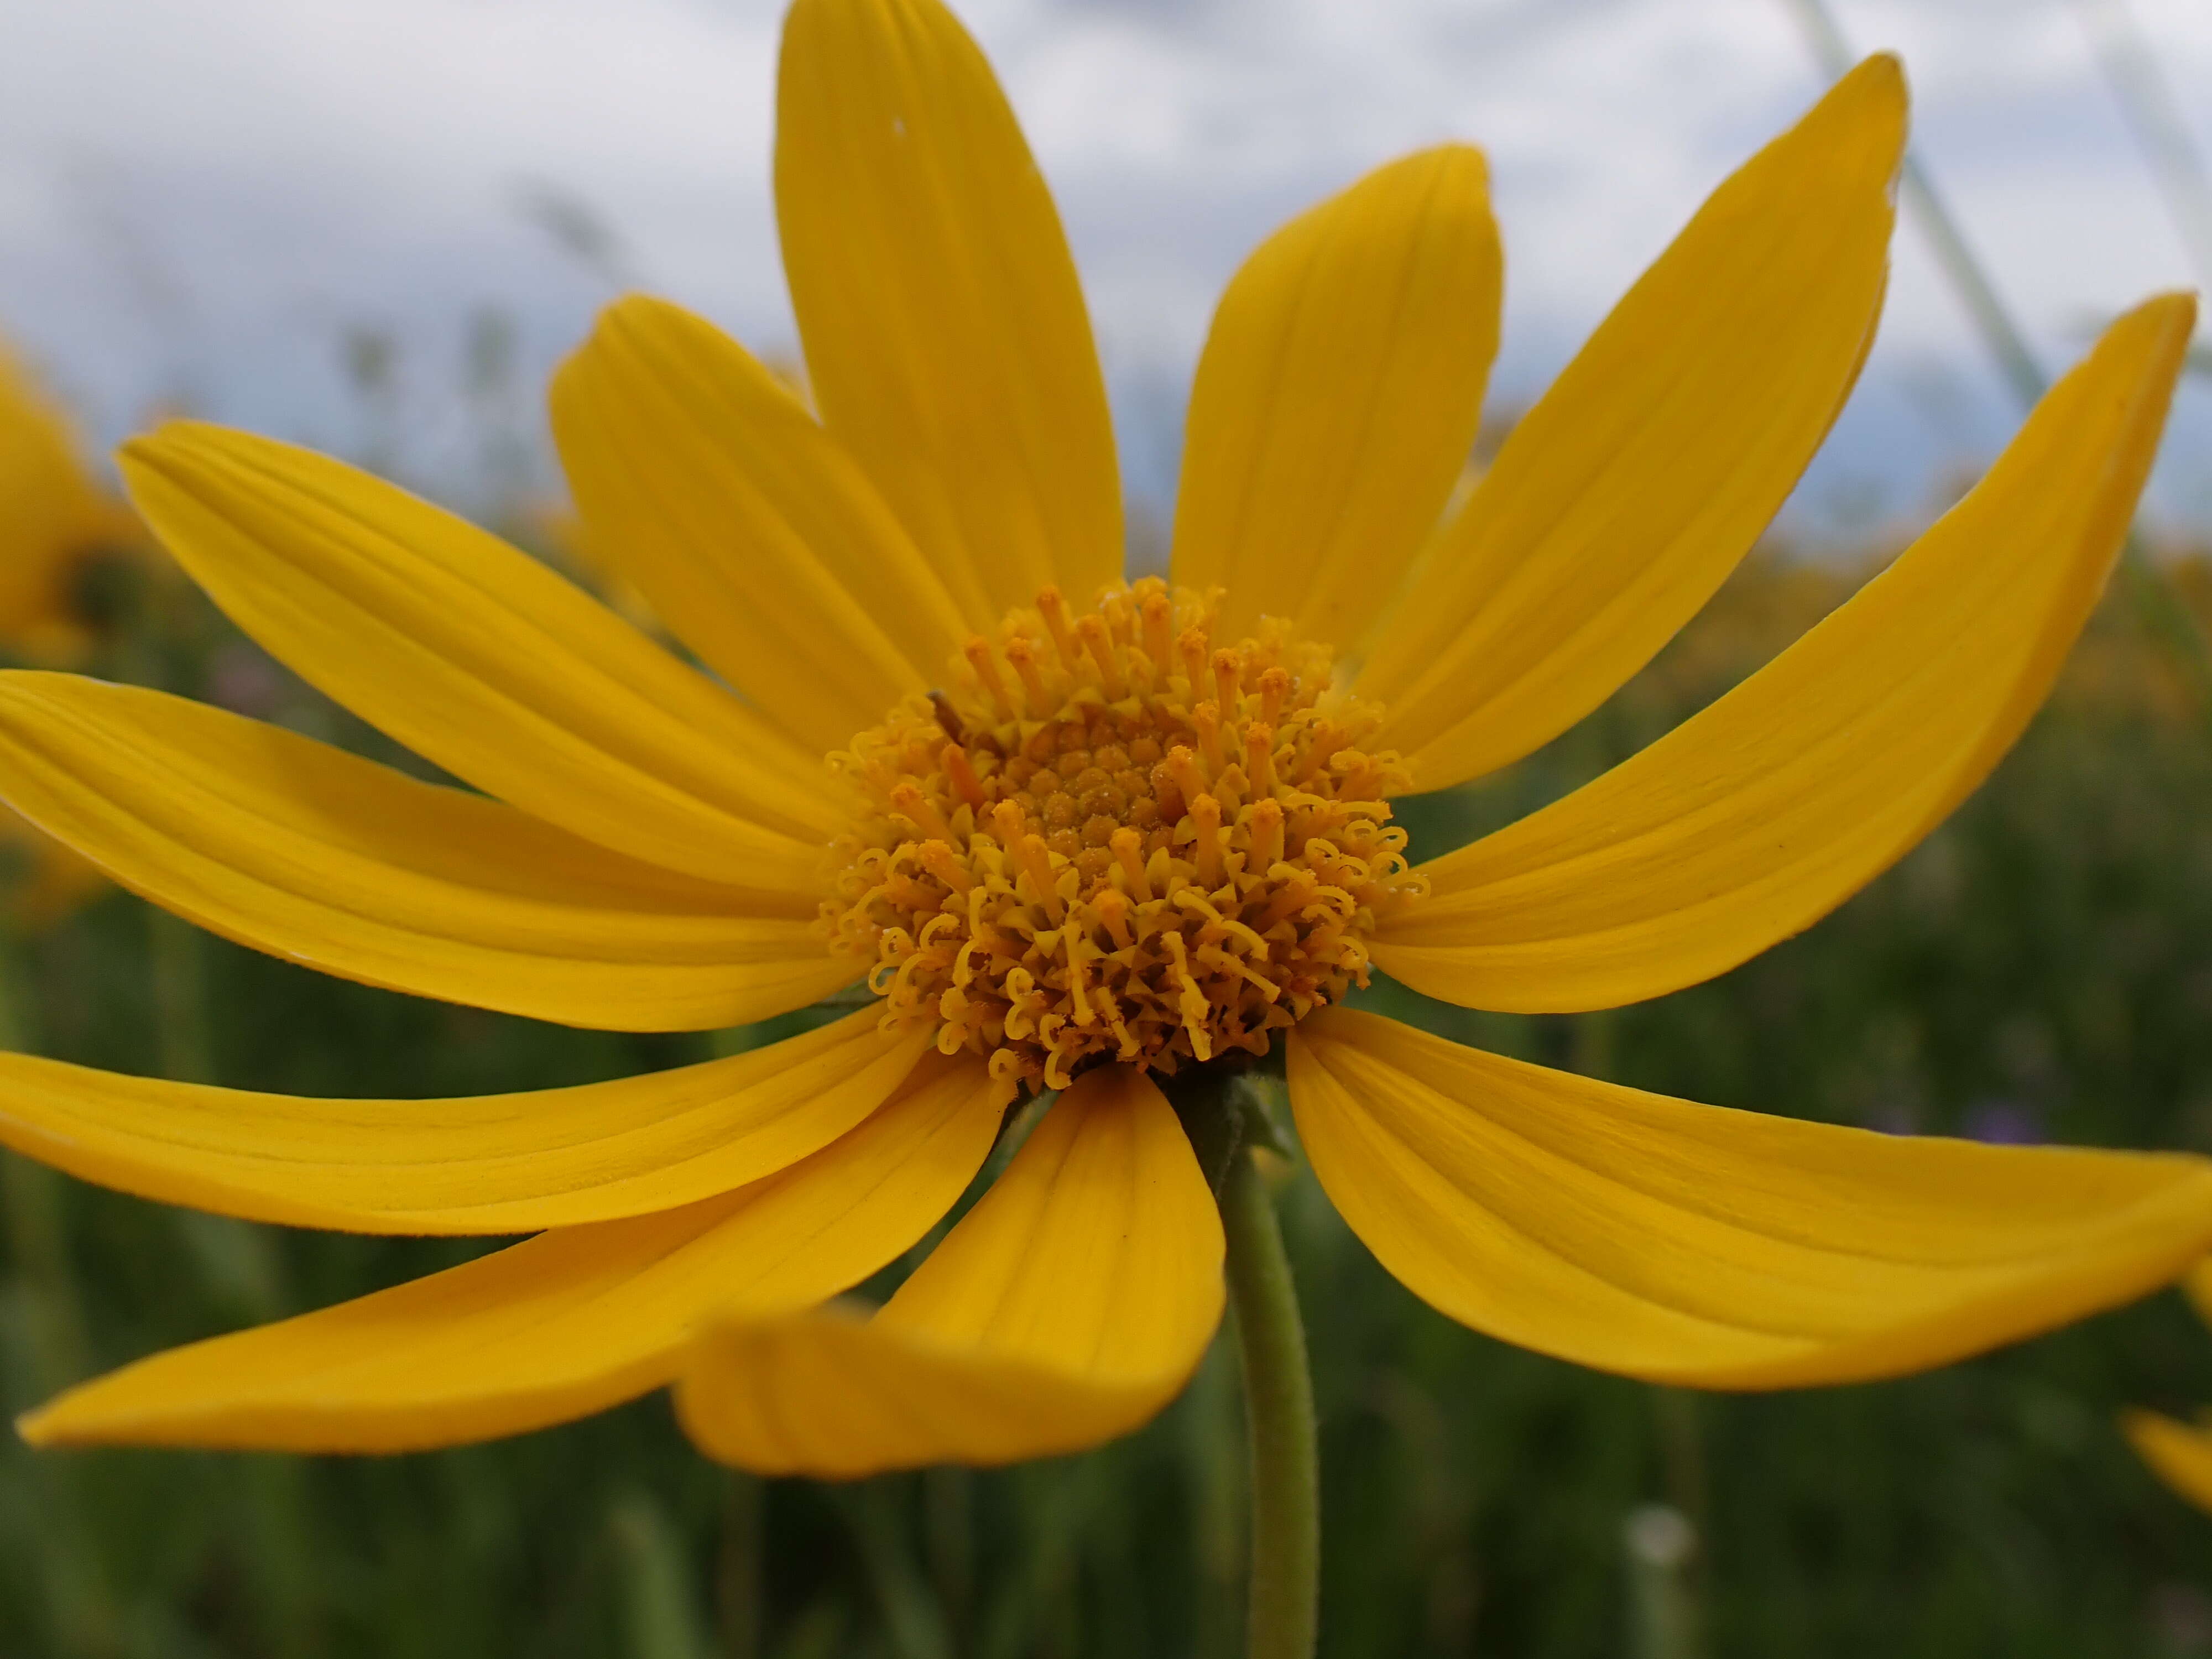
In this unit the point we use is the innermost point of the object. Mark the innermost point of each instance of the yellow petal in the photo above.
(1627, 495)
(2178, 1454)
(747, 525)
(945, 331)
(481, 659)
(1066, 1308)
(1693, 1245)
(568, 1323)
(1754, 819)
(1338, 397)
(320, 857)
(482, 1163)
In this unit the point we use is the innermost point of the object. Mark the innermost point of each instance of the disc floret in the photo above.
(1113, 838)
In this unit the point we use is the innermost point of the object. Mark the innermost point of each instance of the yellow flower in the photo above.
(55, 520)
(42, 881)
(2180, 1455)
(1075, 833)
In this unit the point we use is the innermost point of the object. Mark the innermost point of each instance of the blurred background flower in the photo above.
(65, 536)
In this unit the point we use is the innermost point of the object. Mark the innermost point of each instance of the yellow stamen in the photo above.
(962, 775)
(940, 859)
(1129, 852)
(1228, 681)
(1077, 946)
(1023, 654)
(1052, 605)
(1102, 652)
(1113, 912)
(1205, 842)
(1190, 1001)
(1328, 738)
(908, 801)
(1229, 786)
(1159, 645)
(1361, 779)
(1034, 859)
(978, 652)
(1206, 719)
(1121, 620)
(1260, 757)
(1267, 826)
(1190, 646)
(1182, 766)
(1073, 879)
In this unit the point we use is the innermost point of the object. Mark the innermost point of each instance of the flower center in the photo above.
(1112, 837)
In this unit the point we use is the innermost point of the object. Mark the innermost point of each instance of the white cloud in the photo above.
(198, 196)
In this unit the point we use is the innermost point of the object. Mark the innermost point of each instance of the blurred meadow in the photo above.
(2039, 969)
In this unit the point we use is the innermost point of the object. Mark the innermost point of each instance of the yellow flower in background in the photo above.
(42, 881)
(55, 520)
(1081, 836)
(2179, 1454)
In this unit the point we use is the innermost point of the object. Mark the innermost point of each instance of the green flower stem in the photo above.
(1285, 1584)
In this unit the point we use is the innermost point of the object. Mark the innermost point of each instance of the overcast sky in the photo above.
(198, 202)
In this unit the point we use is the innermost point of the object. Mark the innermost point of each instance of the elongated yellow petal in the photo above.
(944, 330)
(1337, 398)
(2178, 1454)
(1756, 817)
(1066, 1308)
(747, 526)
(320, 857)
(568, 1323)
(1726, 1249)
(482, 1163)
(482, 659)
(1627, 495)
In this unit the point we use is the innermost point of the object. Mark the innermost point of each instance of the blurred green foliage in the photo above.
(2041, 967)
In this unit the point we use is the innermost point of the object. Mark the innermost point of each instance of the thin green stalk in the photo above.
(1682, 1456)
(948, 1503)
(2153, 115)
(180, 1000)
(1278, 1411)
(79, 1596)
(914, 1624)
(37, 1230)
(660, 1597)
(2162, 609)
(1664, 1619)
(738, 1579)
